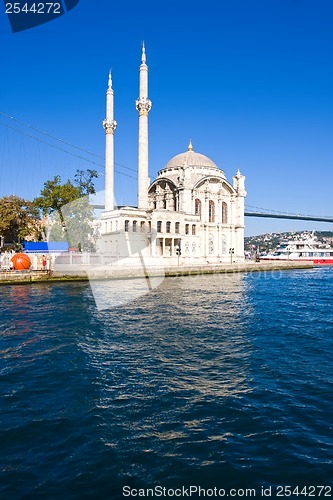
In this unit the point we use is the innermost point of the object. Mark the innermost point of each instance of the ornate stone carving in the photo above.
(109, 126)
(224, 244)
(143, 105)
(210, 243)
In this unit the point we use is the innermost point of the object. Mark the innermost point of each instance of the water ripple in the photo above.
(213, 380)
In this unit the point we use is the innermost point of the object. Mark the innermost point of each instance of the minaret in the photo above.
(143, 105)
(109, 125)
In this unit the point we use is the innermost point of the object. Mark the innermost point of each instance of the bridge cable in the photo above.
(66, 151)
(60, 140)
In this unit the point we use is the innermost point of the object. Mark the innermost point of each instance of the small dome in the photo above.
(192, 159)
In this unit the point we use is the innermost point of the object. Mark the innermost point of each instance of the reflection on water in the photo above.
(176, 342)
(169, 365)
(110, 293)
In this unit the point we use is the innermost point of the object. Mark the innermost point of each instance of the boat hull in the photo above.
(314, 260)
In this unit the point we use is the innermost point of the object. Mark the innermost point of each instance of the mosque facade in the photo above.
(190, 213)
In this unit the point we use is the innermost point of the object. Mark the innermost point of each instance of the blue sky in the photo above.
(250, 81)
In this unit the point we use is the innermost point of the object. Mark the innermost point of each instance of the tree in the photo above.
(78, 216)
(84, 181)
(19, 218)
(68, 205)
(55, 195)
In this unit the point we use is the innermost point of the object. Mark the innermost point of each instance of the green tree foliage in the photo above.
(78, 217)
(19, 218)
(68, 207)
(84, 180)
(55, 195)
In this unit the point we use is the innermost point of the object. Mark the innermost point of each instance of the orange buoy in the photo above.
(21, 261)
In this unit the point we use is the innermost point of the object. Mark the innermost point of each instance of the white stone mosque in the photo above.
(190, 213)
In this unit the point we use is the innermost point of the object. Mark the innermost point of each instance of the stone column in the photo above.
(206, 219)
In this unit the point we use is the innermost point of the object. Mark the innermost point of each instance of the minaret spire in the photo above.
(143, 57)
(109, 125)
(143, 105)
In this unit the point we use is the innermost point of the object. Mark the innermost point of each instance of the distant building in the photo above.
(189, 212)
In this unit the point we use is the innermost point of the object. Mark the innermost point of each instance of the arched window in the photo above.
(197, 207)
(224, 213)
(211, 211)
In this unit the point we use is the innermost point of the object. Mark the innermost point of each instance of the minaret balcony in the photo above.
(143, 105)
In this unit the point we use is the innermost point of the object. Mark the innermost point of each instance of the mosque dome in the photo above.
(191, 159)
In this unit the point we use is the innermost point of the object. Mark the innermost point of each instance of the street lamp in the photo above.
(231, 251)
(178, 251)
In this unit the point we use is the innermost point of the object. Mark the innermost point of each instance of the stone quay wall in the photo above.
(33, 276)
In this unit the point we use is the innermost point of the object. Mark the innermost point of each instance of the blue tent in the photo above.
(45, 246)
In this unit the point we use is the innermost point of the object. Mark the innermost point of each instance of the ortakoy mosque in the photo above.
(189, 209)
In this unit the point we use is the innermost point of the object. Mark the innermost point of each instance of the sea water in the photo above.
(219, 382)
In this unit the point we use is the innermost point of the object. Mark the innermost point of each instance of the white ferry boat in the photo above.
(307, 249)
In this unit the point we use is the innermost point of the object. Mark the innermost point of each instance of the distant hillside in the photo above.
(270, 241)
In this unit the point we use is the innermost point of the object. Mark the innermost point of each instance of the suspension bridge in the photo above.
(263, 212)
(272, 214)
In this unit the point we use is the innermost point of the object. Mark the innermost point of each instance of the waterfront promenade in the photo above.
(33, 276)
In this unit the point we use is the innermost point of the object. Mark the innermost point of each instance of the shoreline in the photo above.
(28, 277)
